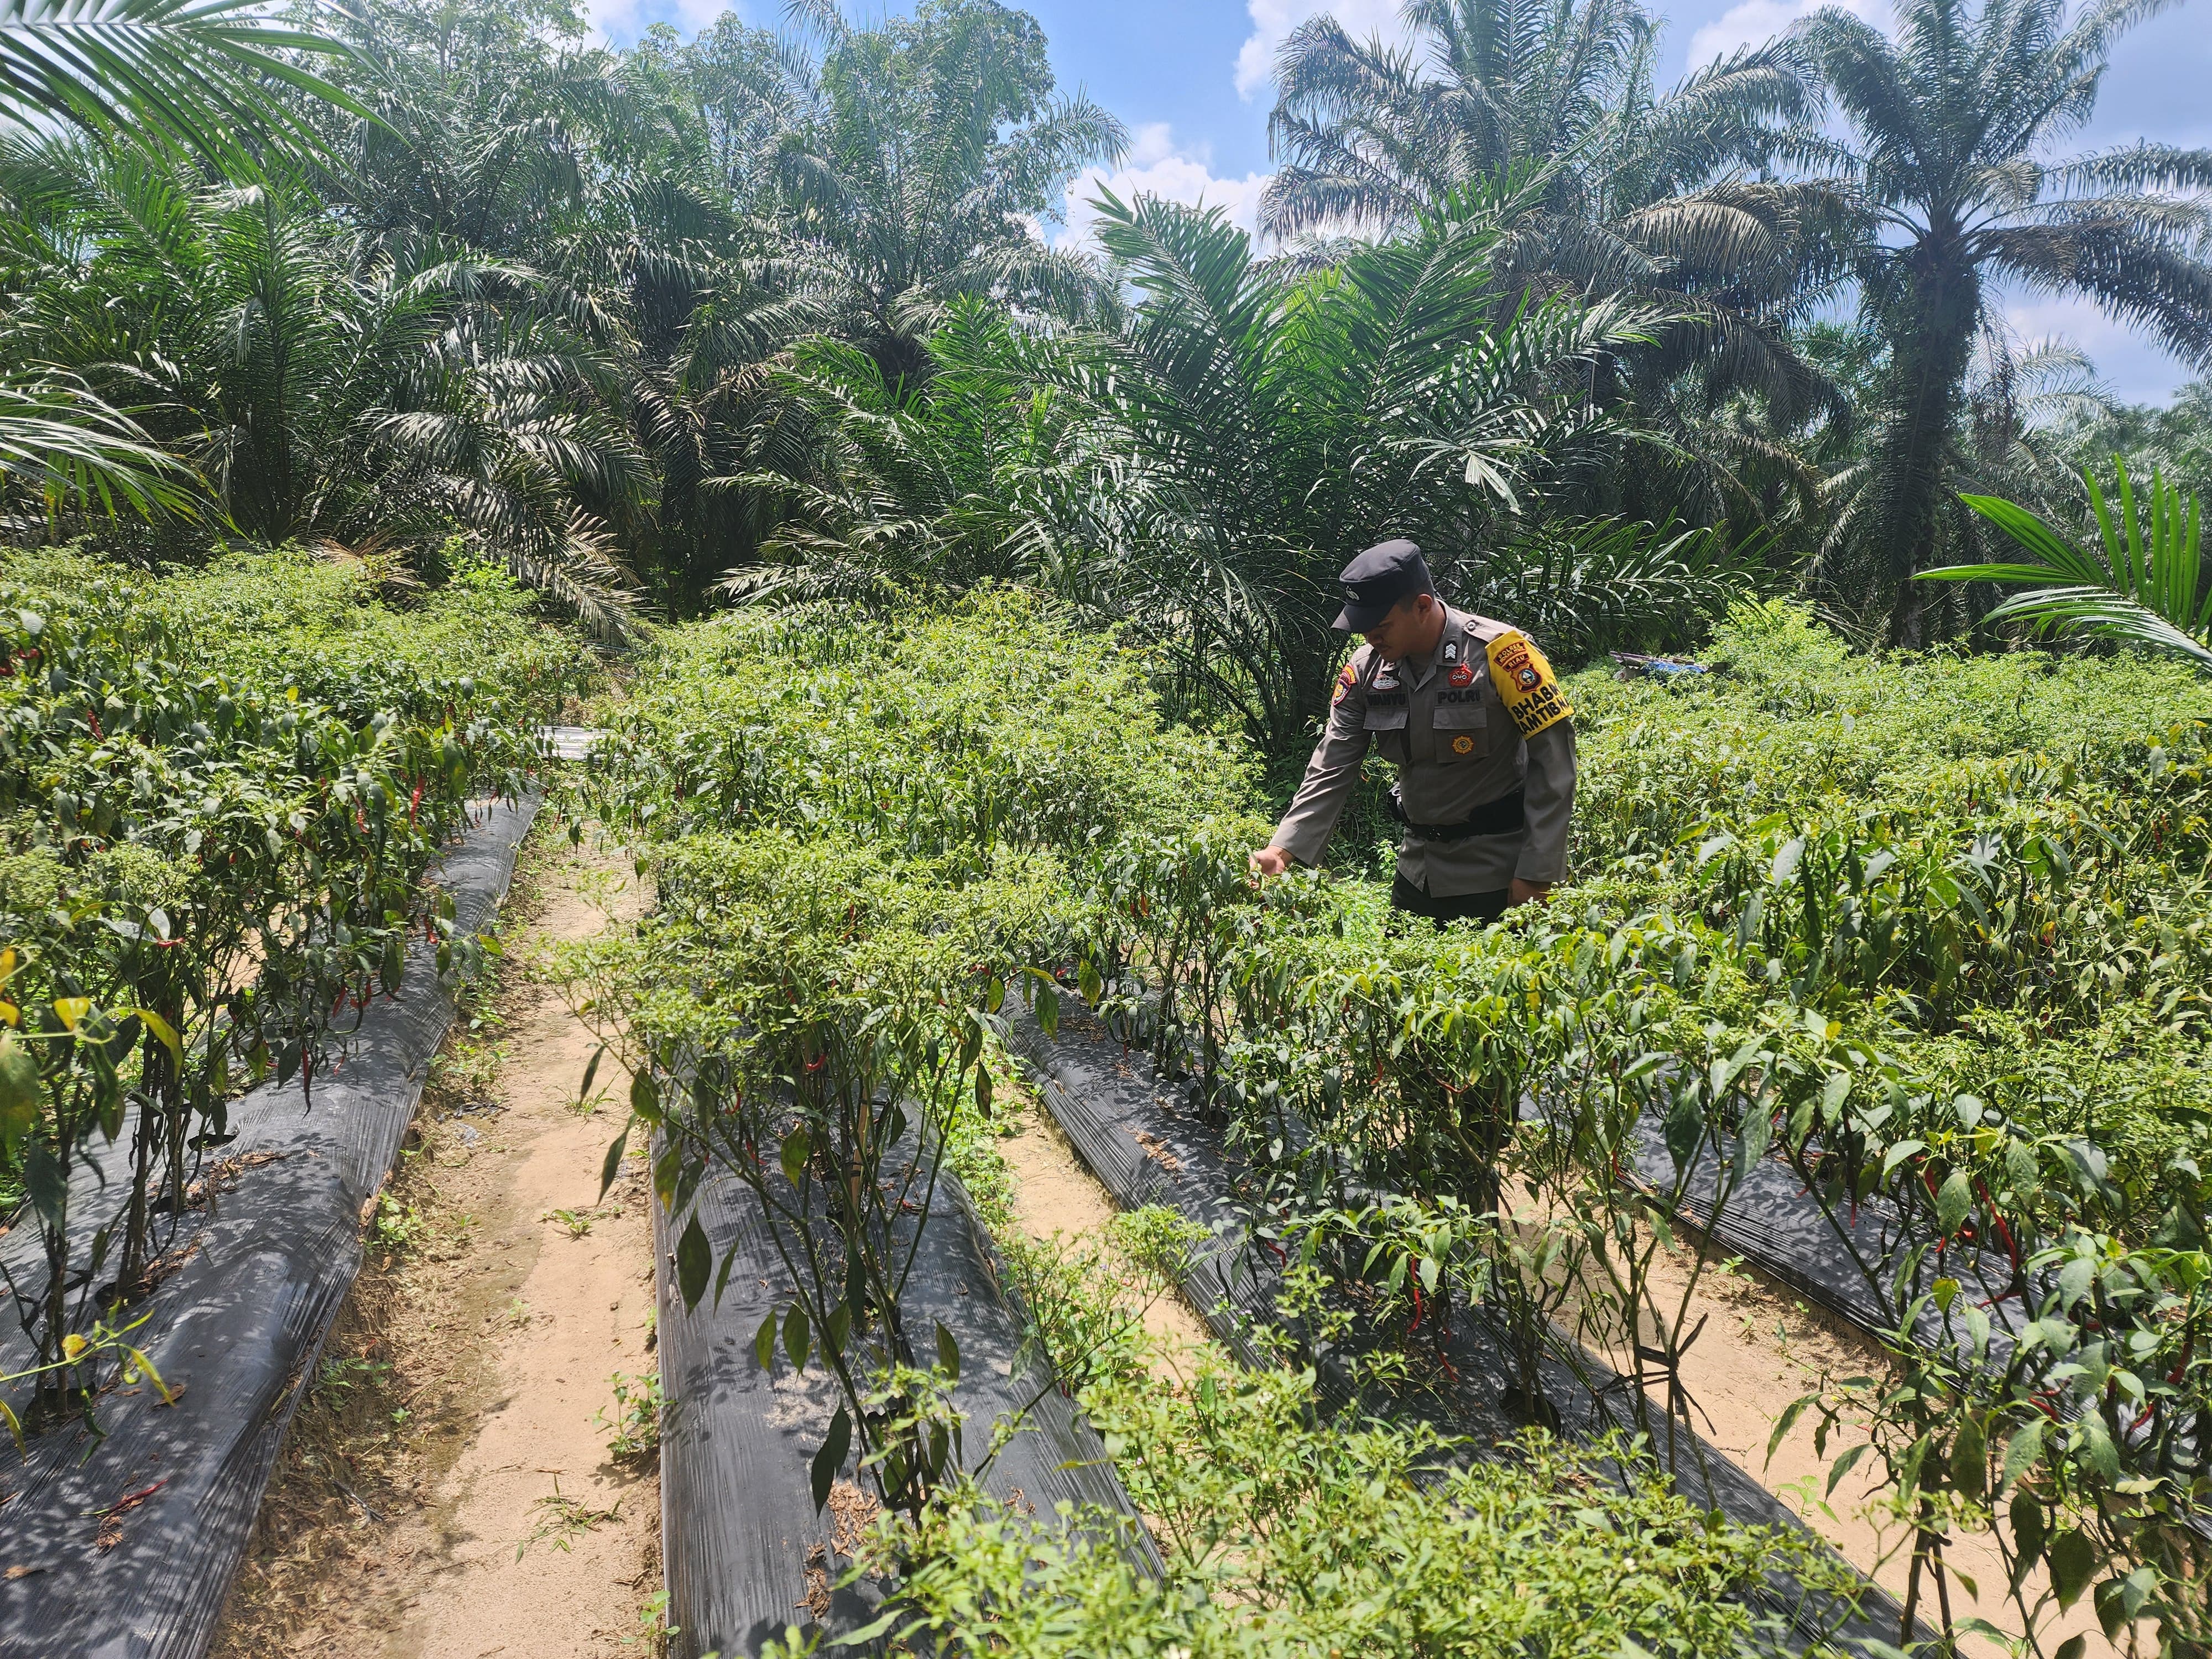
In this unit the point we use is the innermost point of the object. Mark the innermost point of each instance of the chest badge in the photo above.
(1462, 745)
(1462, 675)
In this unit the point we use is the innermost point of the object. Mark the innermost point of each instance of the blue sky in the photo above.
(1190, 79)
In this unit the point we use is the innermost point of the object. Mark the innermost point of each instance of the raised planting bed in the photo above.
(1138, 1135)
(124, 1547)
(747, 1554)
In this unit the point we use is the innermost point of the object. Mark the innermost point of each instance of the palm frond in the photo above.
(206, 72)
(2143, 582)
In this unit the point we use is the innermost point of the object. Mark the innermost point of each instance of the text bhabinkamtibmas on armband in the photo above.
(1527, 685)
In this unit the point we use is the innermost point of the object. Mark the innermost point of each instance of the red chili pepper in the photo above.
(1416, 1325)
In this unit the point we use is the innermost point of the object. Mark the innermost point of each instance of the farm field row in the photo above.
(1936, 970)
(1851, 1097)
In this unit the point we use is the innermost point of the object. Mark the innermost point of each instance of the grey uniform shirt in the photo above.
(1444, 723)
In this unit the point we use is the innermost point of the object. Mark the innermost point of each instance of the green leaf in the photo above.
(163, 1030)
(1048, 1010)
(1844, 1465)
(1685, 1130)
(2073, 1560)
(47, 1184)
(1752, 1144)
(796, 1146)
(798, 1335)
(2029, 1535)
(695, 1262)
(1952, 1200)
(1970, 1457)
(645, 1096)
(20, 1092)
(831, 1457)
(1786, 1422)
(948, 1353)
(764, 1342)
(2103, 1455)
(2021, 1451)
(610, 1166)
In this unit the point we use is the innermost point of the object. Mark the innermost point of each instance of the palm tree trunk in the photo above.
(1930, 323)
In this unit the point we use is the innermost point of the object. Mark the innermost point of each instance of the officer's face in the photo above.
(1410, 628)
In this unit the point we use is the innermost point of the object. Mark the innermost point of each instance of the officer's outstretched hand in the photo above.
(1527, 892)
(1271, 861)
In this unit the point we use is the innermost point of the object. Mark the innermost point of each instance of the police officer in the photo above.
(1472, 716)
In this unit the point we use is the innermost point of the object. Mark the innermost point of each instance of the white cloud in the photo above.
(1754, 22)
(1157, 165)
(619, 22)
(1274, 20)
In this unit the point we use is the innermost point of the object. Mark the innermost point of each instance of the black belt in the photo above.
(1501, 817)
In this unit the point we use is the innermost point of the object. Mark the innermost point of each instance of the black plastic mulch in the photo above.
(1137, 1136)
(746, 1554)
(125, 1548)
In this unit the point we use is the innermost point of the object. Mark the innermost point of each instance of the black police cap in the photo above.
(1378, 579)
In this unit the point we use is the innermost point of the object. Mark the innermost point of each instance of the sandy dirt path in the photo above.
(445, 1492)
(1057, 1197)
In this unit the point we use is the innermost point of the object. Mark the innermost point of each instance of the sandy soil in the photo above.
(1055, 1194)
(445, 1492)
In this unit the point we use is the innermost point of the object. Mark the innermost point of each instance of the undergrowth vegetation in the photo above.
(218, 796)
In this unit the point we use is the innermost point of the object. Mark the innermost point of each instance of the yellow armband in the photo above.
(1525, 681)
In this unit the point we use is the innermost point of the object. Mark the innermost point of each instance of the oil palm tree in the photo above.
(928, 150)
(1951, 123)
(1211, 464)
(209, 74)
(325, 388)
(1665, 195)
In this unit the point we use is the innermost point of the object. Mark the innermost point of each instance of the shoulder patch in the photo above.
(1526, 684)
(1347, 678)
